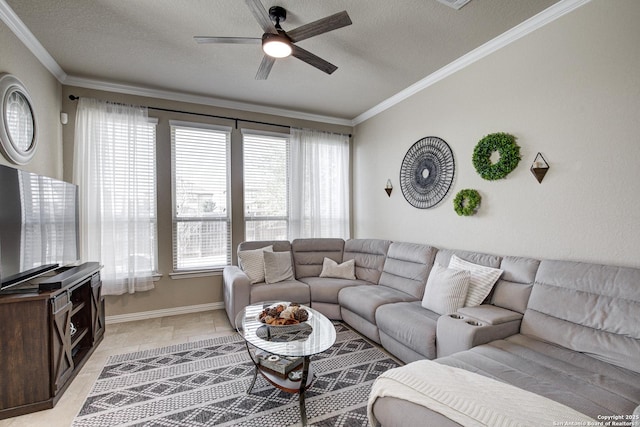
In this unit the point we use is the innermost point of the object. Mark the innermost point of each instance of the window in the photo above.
(295, 185)
(266, 185)
(201, 204)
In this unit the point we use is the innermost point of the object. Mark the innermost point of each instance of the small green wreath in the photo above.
(466, 202)
(505, 145)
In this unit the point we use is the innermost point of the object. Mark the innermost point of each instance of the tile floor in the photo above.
(125, 338)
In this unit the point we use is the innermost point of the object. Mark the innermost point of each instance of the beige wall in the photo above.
(45, 92)
(570, 90)
(171, 293)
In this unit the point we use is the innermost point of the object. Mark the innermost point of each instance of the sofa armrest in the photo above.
(236, 290)
(490, 314)
(458, 332)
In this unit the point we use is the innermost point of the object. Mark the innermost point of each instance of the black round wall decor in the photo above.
(427, 172)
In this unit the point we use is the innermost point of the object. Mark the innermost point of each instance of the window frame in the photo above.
(287, 217)
(189, 271)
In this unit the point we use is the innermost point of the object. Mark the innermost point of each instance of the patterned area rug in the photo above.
(204, 384)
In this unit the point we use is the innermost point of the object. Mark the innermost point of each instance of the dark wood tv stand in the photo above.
(39, 357)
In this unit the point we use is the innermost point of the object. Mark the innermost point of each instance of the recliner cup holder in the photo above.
(474, 323)
(456, 316)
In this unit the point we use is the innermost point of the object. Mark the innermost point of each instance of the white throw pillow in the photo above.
(252, 263)
(482, 279)
(277, 267)
(346, 270)
(446, 289)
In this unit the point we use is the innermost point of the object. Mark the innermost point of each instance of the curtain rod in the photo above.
(235, 119)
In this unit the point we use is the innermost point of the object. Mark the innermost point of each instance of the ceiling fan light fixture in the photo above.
(276, 45)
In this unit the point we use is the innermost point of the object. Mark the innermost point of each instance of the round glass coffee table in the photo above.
(281, 354)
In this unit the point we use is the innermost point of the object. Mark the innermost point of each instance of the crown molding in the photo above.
(8, 16)
(538, 21)
(15, 24)
(198, 99)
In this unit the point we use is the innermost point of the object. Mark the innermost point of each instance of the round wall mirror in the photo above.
(17, 121)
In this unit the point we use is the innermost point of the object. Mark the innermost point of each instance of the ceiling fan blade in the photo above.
(313, 60)
(261, 15)
(324, 25)
(265, 67)
(232, 40)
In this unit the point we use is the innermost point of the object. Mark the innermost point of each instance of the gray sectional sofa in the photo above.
(564, 330)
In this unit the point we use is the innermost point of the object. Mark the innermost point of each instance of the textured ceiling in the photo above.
(149, 43)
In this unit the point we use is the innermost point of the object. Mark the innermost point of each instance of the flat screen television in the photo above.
(38, 225)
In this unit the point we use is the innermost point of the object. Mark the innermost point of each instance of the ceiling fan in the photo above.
(277, 43)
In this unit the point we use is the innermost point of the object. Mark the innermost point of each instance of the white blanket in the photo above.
(470, 399)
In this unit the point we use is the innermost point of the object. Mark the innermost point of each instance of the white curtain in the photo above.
(319, 194)
(116, 222)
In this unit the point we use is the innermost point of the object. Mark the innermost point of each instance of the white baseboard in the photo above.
(119, 318)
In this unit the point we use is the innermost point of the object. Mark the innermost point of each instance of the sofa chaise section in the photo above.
(403, 277)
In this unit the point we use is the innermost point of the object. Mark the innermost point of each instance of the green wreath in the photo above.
(466, 202)
(509, 151)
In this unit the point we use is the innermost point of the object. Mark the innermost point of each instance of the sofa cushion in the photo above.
(326, 289)
(278, 245)
(290, 290)
(277, 267)
(369, 255)
(446, 289)
(365, 300)
(252, 263)
(514, 287)
(519, 269)
(588, 308)
(590, 386)
(511, 295)
(406, 267)
(482, 280)
(443, 256)
(410, 324)
(309, 254)
(346, 270)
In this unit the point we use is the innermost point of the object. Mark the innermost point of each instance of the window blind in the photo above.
(266, 185)
(201, 204)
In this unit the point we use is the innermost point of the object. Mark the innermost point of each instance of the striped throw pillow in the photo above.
(446, 289)
(482, 280)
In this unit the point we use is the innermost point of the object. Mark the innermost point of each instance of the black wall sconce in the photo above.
(539, 167)
(388, 188)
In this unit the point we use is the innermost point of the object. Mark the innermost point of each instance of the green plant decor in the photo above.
(509, 151)
(466, 202)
